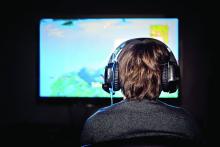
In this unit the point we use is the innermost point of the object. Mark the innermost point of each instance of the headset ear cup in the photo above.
(164, 78)
(116, 84)
(107, 77)
(174, 75)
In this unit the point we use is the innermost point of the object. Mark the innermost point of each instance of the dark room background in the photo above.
(25, 120)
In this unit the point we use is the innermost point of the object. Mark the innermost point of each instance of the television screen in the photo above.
(74, 52)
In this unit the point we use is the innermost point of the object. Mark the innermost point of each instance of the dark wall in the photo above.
(45, 122)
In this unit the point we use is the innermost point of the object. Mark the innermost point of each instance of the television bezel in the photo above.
(101, 100)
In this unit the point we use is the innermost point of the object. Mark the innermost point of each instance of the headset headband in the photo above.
(118, 50)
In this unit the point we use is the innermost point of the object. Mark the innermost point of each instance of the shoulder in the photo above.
(175, 111)
(104, 115)
(182, 120)
(97, 125)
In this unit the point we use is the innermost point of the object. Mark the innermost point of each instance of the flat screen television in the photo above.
(73, 52)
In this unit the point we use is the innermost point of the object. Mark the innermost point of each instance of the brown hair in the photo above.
(139, 69)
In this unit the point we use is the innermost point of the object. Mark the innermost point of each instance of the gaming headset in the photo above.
(170, 71)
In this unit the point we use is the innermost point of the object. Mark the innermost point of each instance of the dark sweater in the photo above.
(131, 119)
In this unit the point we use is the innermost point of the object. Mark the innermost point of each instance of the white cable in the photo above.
(111, 95)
